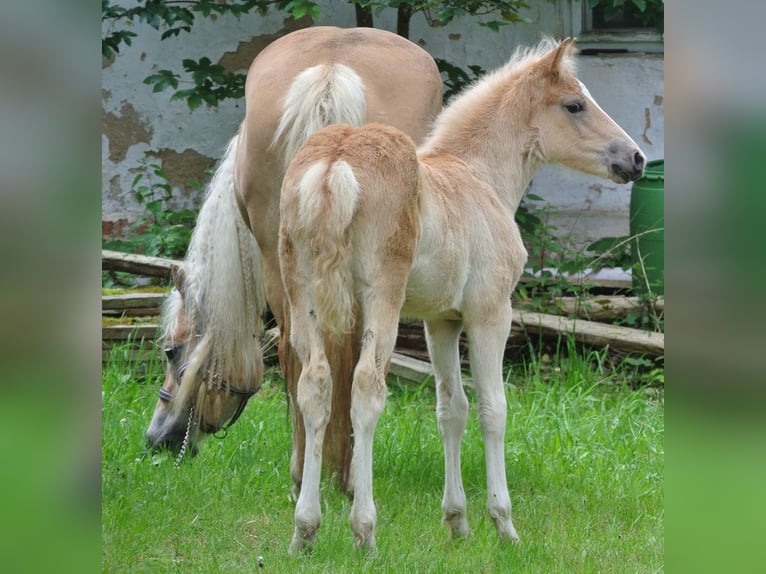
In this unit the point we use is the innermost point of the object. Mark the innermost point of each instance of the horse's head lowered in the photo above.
(568, 113)
(206, 387)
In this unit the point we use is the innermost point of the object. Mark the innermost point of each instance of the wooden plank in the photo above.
(139, 264)
(591, 282)
(146, 312)
(132, 301)
(129, 332)
(589, 332)
(410, 368)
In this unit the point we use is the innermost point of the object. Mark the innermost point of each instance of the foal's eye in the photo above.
(574, 107)
(171, 353)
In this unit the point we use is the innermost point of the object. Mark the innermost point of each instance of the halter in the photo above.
(224, 386)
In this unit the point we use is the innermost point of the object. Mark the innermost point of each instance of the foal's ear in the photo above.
(558, 57)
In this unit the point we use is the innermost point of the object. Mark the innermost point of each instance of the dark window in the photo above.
(610, 18)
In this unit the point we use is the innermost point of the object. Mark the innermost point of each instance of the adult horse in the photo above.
(298, 84)
(372, 222)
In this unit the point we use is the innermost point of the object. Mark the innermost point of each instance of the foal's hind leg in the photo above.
(368, 397)
(314, 399)
(451, 414)
(486, 339)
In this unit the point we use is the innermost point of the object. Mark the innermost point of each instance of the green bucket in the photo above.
(647, 228)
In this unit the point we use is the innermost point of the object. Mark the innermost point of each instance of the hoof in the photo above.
(366, 542)
(304, 536)
(364, 534)
(299, 545)
(506, 531)
(457, 523)
(369, 552)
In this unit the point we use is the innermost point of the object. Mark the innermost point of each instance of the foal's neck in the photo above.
(490, 132)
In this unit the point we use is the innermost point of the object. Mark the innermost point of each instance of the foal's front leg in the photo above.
(487, 340)
(452, 415)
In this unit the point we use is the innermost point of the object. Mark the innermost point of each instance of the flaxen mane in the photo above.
(222, 293)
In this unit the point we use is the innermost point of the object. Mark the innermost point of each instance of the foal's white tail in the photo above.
(319, 96)
(327, 200)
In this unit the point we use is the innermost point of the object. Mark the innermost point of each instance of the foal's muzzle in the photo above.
(628, 167)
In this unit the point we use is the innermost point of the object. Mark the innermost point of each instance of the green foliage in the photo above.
(502, 12)
(300, 8)
(212, 83)
(456, 79)
(549, 256)
(610, 252)
(160, 231)
(170, 16)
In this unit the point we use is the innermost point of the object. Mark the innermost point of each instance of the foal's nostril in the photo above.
(638, 161)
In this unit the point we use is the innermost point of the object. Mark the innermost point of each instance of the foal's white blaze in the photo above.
(585, 91)
(592, 101)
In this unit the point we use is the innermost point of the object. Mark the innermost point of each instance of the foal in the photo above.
(369, 221)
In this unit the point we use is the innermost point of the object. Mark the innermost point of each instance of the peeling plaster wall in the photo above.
(140, 125)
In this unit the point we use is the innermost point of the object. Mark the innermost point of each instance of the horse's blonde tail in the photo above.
(319, 96)
(327, 200)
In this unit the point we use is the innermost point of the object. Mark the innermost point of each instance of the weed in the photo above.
(160, 231)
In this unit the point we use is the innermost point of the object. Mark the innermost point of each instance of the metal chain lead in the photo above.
(182, 452)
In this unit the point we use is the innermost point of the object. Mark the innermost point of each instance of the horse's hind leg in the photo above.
(451, 414)
(487, 338)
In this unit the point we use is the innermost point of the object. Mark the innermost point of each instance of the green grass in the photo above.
(584, 454)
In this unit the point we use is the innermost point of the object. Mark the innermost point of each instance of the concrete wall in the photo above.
(137, 124)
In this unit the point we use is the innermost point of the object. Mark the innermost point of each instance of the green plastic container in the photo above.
(647, 227)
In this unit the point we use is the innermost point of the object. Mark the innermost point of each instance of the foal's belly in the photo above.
(432, 296)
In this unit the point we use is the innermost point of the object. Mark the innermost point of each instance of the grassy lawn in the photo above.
(584, 453)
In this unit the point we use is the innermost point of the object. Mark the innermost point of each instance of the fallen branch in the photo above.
(591, 333)
(605, 307)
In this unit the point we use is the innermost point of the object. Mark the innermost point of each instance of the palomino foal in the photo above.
(369, 221)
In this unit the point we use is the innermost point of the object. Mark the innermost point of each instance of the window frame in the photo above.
(578, 23)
